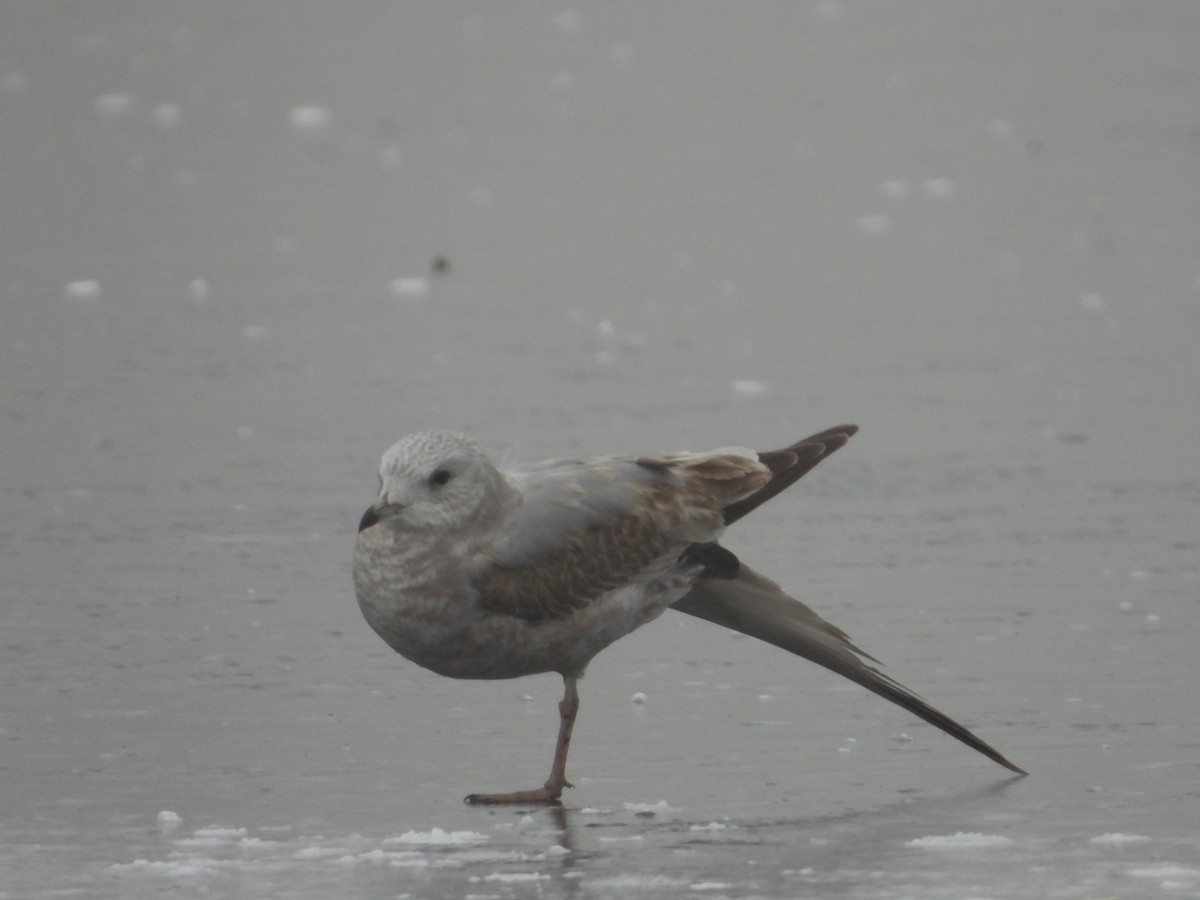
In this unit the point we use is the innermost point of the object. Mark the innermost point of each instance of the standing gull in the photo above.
(477, 573)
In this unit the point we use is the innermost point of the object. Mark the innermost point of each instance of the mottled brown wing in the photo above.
(585, 528)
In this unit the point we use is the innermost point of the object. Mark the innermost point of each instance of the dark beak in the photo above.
(369, 518)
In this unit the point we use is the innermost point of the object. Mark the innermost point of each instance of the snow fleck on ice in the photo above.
(1116, 839)
(213, 836)
(310, 117)
(510, 877)
(647, 809)
(84, 289)
(438, 837)
(748, 387)
(634, 882)
(166, 114)
(638, 698)
(409, 288)
(255, 332)
(114, 104)
(940, 188)
(1173, 875)
(180, 868)
(198, 289)
(971, 840)
(316, 852)
(896, 189)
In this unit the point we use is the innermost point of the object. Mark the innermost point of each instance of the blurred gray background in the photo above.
(245, 246)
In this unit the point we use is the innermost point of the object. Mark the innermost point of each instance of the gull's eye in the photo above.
(439, 477)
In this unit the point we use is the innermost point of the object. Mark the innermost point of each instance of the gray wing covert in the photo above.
(583, 528)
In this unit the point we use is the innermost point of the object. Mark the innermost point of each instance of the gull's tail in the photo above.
(758, 607)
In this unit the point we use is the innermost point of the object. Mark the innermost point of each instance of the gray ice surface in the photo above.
(971, 228)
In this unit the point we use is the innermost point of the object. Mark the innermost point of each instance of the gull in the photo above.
(474, 572)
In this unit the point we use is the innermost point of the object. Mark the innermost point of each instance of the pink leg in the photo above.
(553, 788)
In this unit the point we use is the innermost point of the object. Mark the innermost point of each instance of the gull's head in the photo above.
(437, 480)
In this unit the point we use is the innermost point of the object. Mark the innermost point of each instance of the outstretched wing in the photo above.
(758, 607)
(587, 527)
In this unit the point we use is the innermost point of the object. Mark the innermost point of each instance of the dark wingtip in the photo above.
(789, 464)
(1004, 762)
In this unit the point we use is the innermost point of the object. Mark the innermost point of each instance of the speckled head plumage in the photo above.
(433, 480)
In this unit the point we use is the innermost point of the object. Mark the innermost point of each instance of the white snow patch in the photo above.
(1165, 870)
(638, 699)
(959, 840)
(510, 877)
(83, 289)
(391, 157)
(938, 187)
(1116, 839)
(316, 852)
(198, 290)
(257, 844)
(711, 826)
(166, 115)
(710, 886)
(409, 288)
(438, 837)
(167, 817)
(748, 387)
(114, 104)
(174, 868)
(310, 117)
(213, 836)
(647, 808)
(634, 882)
